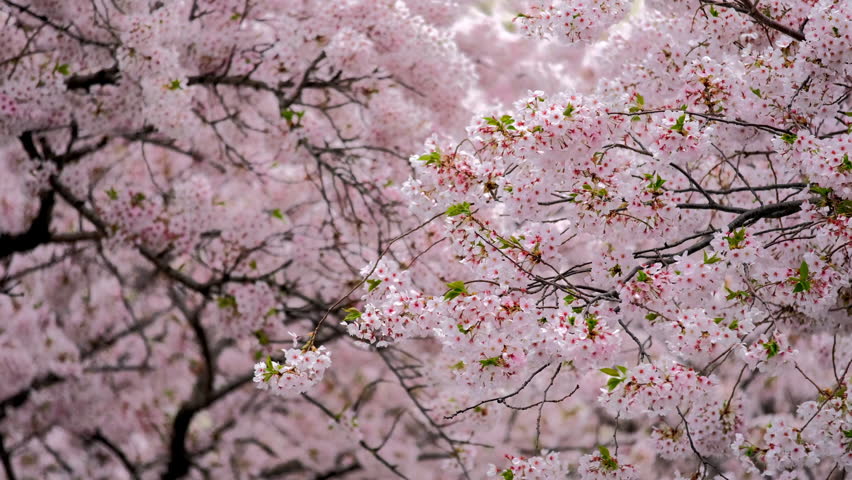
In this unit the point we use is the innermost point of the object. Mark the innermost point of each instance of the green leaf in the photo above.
(352, 314)
(738, 295)
(821, 191)
(789, 138)
(457, 366)
(569, 299)
(432, 158)
(679, 123)
(292, 117)
(656, 184)
(226, 301)
(592, 322)
(718, 320)
(642, 276)
(569, 111)
(640, 100)
(277, 213)
(112, 194)
(622, 369)
(652, 316)
(269, 366)
(736, 240)
(174, 85)
(464, 330)
(713, 11)
(62, 69)
(756, 91)
(503, 123)
(733, 325)
(710, 260)
(607, 462)
(459, 209)
(493, 362)
(613, 382)
(373, 283)
(803, 281)
(771, 348)
(804, 270)
(508, 474)
(512, 242)
(611, 372)
(455, 289)
(845, 164)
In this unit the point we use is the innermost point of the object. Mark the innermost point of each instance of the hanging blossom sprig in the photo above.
(302, 369)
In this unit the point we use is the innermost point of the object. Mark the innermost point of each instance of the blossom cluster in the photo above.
(301, 370)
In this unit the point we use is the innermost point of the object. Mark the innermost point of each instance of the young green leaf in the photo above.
(459, 209)
(679, 125)
(493, 362)
(372, 284)
(457, 366)
(432, 158)
(227, 301)
(607, 462)
(845, 164)
(62, 69)
(455, 289)
(352, 314)
(771, 348)
(711, 259)
(789, 138)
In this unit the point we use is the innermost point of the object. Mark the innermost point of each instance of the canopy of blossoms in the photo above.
(425, 239)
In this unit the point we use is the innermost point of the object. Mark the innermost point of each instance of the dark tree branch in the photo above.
(112, 447)
(108, 76)
(37, 234)
(750, 9)
(6, 458)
